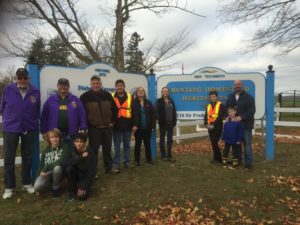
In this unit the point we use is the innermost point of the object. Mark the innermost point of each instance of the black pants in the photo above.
(214, 136)
(145, 136)
(10, 145)
(98, 137)
(236, 148)
(168, 129)
(72, 174)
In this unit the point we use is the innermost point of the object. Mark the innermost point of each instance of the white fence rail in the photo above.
(202, 132)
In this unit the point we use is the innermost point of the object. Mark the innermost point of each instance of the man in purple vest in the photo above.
(20, 107)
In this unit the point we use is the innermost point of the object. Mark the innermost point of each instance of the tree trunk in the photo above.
(119, 48)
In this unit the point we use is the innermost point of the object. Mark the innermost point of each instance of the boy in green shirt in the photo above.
(51, 169)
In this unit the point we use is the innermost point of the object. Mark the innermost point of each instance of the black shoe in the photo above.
(248, 166)
(150, 162)
(71, 197)
(108, 171)
(137, 163)
(215, 162)
(172, 160)
(55, 193)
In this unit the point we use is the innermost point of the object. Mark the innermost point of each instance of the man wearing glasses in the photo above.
(20, 107)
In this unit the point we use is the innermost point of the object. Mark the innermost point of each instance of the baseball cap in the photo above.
(63, 81)
(22, 72)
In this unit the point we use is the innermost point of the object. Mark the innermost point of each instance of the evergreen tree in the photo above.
(58, 53)
(134, 61)
(37, 52)
(55, 52)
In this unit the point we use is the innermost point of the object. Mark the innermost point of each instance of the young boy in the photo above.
(233, 136)
(80, 168)
(51, 168)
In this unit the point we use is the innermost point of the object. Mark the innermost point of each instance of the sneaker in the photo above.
(8, 193)
(115, 170)
(235, 162)
(29, 188)
(224, 160)
(55, 193)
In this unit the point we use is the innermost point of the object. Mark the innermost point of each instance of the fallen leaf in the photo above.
(97, 217)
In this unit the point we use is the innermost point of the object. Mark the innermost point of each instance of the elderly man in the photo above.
(245, 106)
(20, 107)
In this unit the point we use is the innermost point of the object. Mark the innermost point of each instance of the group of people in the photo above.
(75, 128)
(238, 113)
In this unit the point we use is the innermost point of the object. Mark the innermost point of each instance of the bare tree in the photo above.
(280, 22)
(126, 7)
(87, 43)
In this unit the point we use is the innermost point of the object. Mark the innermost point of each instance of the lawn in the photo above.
(191, 190)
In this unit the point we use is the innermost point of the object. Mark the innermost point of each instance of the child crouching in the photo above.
(80, 168)
(51, 170)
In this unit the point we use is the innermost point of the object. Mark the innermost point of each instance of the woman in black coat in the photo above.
(143, 124)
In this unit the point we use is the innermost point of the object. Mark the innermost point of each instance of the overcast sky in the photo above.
(214, 45)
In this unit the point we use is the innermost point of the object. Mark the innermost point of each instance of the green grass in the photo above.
(191, 178)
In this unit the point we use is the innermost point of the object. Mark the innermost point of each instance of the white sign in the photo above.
(190, 92)
(79, 79)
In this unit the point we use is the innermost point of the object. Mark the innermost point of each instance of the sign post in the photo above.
(270, 113)
(152, 98)
(35, 81)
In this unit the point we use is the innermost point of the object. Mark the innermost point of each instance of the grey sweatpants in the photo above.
(53, 176)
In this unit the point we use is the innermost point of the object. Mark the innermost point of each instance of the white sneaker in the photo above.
(8, 193)
(29, 188)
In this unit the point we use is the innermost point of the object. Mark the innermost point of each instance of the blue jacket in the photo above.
(18, 114)
(232, 132)
(76, 114)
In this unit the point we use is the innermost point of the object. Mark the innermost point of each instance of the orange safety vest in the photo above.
(212, 113)
(124, 110)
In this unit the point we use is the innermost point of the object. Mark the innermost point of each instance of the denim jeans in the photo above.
(120, 136)
(247, 142)
(10, 145)
(54, 177)
(163, 131)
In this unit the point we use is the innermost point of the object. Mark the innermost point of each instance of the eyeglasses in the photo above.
(22, 78)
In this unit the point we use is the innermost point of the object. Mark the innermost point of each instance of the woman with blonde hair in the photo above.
(143, 124)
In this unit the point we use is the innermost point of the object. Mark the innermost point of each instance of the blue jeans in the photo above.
(247, 142)
(118, 137)
(168, 129)
(54, 176)
(10, 145)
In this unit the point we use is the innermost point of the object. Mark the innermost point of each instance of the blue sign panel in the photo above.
(191, 97)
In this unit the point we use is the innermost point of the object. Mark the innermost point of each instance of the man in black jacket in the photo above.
(80, 167)
(167, 119)
(245, 106)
